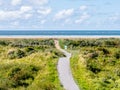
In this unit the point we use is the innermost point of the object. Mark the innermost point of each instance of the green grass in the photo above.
(80, 73)
(40, 68)
(95, 67)
(108, 78)
(36, 70)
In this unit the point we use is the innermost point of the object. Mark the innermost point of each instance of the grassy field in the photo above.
(95, 63)
(29, 64)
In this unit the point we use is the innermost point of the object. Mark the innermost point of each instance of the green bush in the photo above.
(93, 55)
(93, 66)
(19, 53)
(57, 53)
(117, 54)
(47, 86)
(22, 75)
(110, 43)
(21, 43)
(117, 71)
(4, 42)
(12, 54)
(29, 50)
(105, 51)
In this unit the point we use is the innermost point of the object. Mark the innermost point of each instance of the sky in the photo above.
(59, 14)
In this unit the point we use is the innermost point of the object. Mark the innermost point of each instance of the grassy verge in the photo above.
(80, 73)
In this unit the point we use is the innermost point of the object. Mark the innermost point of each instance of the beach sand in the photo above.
(58, 37)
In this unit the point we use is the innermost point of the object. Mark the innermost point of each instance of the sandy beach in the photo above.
(57, 36)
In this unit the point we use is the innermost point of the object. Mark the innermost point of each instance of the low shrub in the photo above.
(29, 50)
(117, 54)
(47, 86)
(22, 75)
(93, 66)
(104, 50)
(57, 53)
(12, 54)
(93, 55)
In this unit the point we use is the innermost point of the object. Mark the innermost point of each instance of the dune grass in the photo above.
(35, 69)
(95, 63)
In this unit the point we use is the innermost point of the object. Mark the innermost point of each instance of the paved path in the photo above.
(64, 71)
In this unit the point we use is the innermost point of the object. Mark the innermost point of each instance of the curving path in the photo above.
(64, 71)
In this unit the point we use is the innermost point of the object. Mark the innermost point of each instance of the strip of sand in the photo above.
(59, 36)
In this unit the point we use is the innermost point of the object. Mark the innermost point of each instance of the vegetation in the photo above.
(29, 64)
(95, 63)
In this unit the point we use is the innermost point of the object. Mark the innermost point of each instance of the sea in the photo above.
(60, 33)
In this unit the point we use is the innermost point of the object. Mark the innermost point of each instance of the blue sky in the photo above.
(59, 14)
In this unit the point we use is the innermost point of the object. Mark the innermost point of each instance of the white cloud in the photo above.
(23, 12)
(63, 14)
(25, 8)
(4, 15)
(68, 21)
(15, 2)
(115, 17)
(39, 2)
(15, 23)
(82, 18)
(27, 16)
(44, 11)
(1, 2)
(43, 21)
(83, 7)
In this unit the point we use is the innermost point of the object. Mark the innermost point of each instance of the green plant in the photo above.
(12, 54)
(117, 54)
(96, 67)
(93, 66)
(93, 55)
